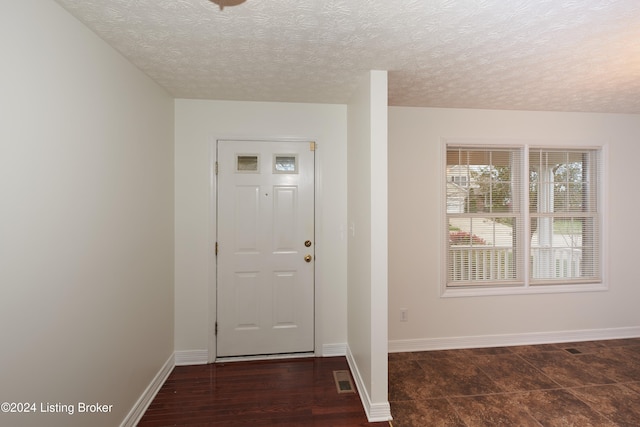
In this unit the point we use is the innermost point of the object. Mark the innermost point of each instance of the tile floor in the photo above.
(584, 384)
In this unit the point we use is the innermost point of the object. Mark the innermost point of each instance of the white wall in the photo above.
(367, 249)
(415, 227)
(86, 220)
(198, 125)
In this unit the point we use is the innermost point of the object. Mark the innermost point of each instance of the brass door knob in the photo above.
(308, 258)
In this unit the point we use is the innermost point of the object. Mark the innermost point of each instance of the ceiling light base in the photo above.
(223, 3)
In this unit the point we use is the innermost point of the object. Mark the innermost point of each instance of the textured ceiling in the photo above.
(566, 55)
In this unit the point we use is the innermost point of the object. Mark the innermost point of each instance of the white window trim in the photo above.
(527, 288)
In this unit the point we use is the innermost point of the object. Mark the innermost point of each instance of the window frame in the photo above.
(527, 287)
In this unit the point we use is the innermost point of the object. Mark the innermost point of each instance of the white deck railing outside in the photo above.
(490, 263)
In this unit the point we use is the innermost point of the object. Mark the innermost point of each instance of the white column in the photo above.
(545, 225)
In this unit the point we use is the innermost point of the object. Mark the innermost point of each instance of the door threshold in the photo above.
(228, 359)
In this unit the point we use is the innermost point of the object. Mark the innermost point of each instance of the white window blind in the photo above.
(484, 216)
(522, 216)
(564, 218)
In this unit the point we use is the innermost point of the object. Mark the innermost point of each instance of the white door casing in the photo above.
(265, 247)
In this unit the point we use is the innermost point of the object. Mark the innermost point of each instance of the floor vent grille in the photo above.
(343, 382)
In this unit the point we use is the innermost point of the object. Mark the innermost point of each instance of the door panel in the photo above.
(247, 211)
(265, 287)
(285, 219)
(283, 292)
(246, 300)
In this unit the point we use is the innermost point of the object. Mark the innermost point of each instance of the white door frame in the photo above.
(213, 237)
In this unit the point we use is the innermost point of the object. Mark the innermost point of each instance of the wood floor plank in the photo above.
(290, 392)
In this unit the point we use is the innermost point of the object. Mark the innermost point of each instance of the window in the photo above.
(247, 163)
(285, 163)
(522, 218)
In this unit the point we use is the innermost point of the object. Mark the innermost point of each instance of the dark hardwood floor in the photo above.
(287, 392)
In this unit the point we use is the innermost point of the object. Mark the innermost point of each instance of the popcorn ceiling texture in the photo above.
(561, 55)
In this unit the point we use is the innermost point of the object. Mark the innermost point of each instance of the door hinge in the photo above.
(216, 168)
(312, 146)
(216, 248)
(216, 329)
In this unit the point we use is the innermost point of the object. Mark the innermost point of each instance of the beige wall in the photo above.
(198, 125)
(86, 220)
(415, 225)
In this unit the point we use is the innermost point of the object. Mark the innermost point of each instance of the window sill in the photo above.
(523, 290)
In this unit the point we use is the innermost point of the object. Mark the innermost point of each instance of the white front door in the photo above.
(265, 246)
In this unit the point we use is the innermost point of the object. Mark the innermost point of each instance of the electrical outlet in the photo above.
(404, 314)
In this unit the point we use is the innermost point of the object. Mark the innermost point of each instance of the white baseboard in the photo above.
(133, 417)
(426, 344)
(191, 357)
(375, 411)
(331, 350)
